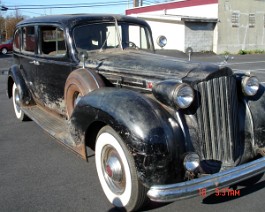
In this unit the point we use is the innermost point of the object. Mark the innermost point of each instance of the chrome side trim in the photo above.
(188, 189)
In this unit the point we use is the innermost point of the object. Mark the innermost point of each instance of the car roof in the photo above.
(75, 19)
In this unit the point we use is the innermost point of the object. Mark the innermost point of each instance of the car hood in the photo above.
(154, 66)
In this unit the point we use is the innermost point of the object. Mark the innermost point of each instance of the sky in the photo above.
(99, 6)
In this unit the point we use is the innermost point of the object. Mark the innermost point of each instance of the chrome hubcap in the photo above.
(113, 170)
(17, 100)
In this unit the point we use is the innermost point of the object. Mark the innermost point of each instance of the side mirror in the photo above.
(161, 41)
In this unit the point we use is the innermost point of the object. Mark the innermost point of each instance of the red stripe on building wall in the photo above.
(170, 5)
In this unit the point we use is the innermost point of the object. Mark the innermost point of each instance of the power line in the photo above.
(149, 2)
(32, 12)
(68, 4)
(156, 1)
(62, 6)
(73, 5)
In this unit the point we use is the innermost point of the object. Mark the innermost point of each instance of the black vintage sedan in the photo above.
(161, 128)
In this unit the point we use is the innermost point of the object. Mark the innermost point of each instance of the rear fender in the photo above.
(149, 131)
(15, 76)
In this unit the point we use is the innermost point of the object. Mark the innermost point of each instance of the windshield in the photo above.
(104, 36)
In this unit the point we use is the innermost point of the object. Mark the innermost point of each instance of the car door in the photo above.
(53, 65)
(27, 56)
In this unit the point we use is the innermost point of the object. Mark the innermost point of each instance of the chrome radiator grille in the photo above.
(217, 118)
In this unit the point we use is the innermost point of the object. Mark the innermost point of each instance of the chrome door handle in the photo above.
(35, 62)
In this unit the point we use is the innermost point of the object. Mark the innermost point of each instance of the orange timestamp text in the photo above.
(220, 192)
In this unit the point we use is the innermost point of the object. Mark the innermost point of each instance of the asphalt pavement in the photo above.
(39, 174)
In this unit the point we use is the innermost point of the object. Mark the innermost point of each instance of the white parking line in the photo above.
(235, 69)
(239, 63)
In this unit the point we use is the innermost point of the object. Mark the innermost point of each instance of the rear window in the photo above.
(17, 42)
(28, 39)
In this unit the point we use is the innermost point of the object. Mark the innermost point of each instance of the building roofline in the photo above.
(175, 18)
(169, 5)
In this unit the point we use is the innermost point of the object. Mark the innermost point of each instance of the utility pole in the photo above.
(5, 30)
(137, 3)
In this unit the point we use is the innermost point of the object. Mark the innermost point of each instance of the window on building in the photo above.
(251, 20)
(235, 19)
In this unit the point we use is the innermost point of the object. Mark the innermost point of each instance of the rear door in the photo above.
(27, 55)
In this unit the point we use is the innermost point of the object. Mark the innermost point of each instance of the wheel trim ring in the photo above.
(118, 200)
(16, 99)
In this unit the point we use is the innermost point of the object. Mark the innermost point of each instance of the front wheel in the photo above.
(116, 171)
(16, 103)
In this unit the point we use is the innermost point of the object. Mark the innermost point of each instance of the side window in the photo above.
(28, 39)
(17, 42)
(138, 36)
(52, 41)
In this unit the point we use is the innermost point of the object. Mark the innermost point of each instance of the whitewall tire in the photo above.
(16, 103)
(117, 172)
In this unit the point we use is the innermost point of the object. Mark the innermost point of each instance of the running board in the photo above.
(55, 126)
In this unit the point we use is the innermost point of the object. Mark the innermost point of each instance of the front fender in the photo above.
(15, 76)
(149, 131)
(257, 109)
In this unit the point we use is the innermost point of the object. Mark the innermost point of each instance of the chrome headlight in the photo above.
(250, 86)
(161, 41)
(183, 95)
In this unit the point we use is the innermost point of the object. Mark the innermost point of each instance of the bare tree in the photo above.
(8, 24)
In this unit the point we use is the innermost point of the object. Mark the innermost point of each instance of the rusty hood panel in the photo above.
(149, 65)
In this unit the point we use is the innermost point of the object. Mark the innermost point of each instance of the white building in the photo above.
(207, 25)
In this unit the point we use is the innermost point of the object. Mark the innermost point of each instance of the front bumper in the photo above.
(184, 190)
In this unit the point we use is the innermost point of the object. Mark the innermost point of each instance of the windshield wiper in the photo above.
(101, 49)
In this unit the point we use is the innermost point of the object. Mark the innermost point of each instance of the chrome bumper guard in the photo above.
(188, 189)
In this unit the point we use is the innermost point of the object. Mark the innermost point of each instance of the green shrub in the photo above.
(257, 51)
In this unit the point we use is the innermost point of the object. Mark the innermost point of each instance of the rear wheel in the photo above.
(20, 115)
(117, 172)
